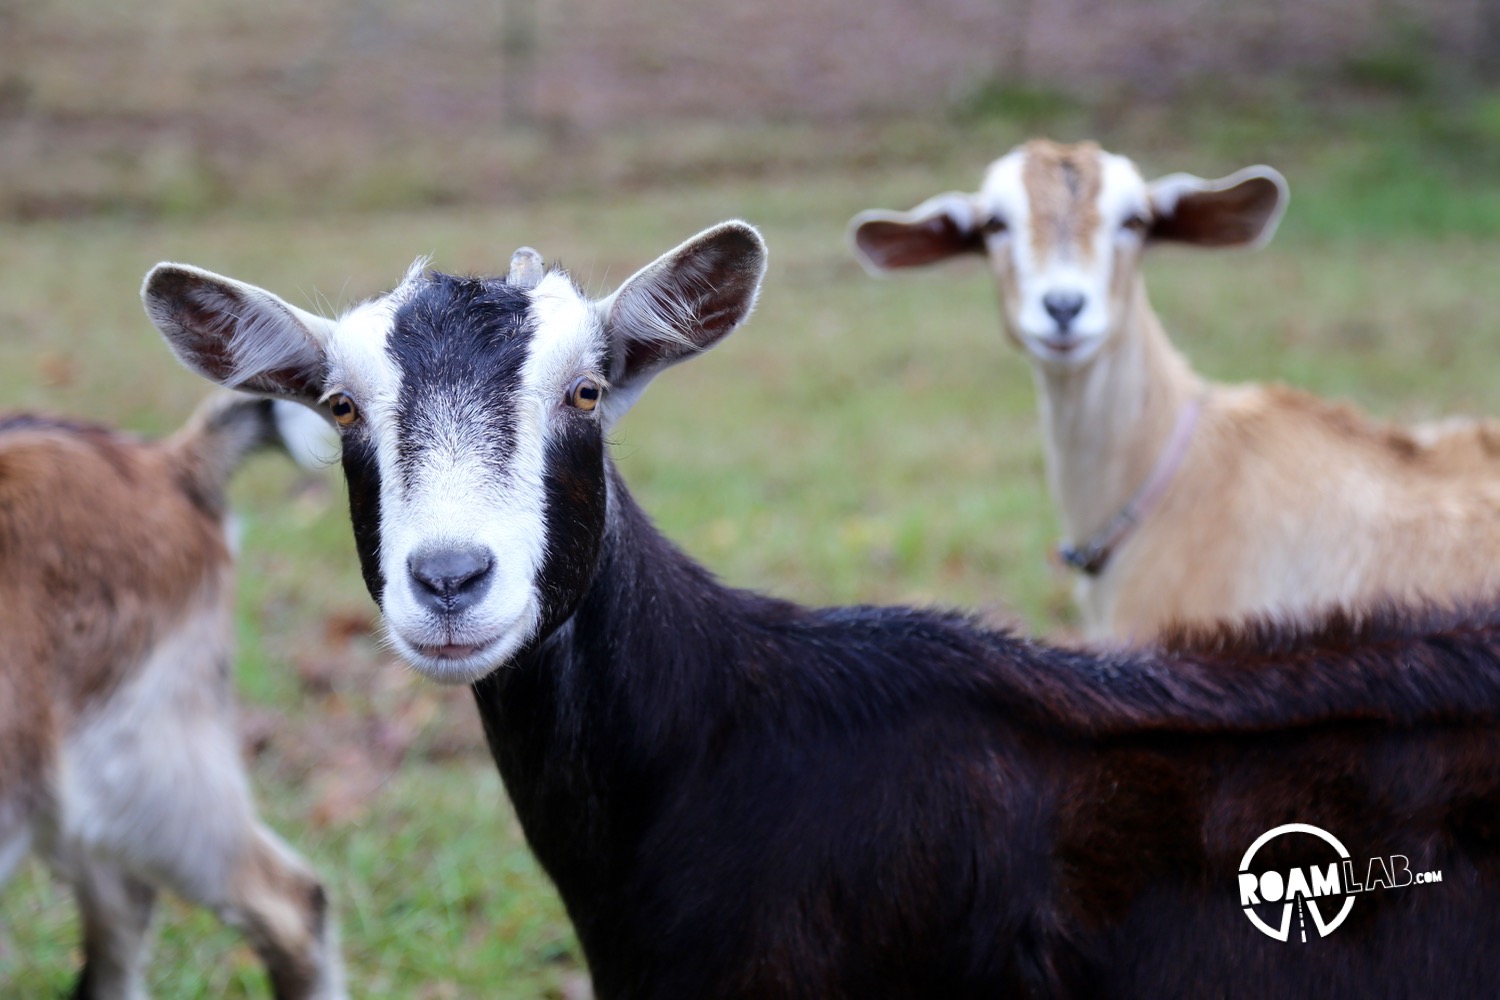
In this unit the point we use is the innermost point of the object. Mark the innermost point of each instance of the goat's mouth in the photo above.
(453, 662)
(1068, 348)
(453, 650)
(455, 659)
(460, 648)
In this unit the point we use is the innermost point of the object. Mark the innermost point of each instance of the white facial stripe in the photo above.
(1004, 197)
(568, 340)
(1122, 193)
(359, 365)
(357, 359)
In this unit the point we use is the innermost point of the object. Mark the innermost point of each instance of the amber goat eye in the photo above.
(584, 393)
(343, 409)
(1136, 224)
(994, 224)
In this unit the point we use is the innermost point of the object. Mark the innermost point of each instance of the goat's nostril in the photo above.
(1063, 307)
(451, 578)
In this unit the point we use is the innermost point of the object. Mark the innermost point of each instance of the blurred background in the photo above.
(859, 440)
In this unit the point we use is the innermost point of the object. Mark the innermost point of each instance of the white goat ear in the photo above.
(1241, 210)
(679, 305)
(236, 334)
(941, 227)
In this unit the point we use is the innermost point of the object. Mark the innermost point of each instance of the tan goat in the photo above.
(1183, 499)
(119, 757)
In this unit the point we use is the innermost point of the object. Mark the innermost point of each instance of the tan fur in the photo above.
(1281, 502)
(1286, 501)
(96, 572)
(1062, 186)
(118, 749)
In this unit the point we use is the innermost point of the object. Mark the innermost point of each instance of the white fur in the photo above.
(1085, 269)
(150, 791)
(141, 785)
(456, 502)
(308, 435)
(446, 501)
(152, 779)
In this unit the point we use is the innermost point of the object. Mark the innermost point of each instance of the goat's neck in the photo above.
(586, 726)
(1106, 424)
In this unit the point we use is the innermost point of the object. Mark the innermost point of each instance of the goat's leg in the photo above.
(116, 910)
(280, 905)
(173, 796)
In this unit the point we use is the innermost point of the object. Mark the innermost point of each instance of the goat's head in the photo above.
(473, 415)
(1064, 227)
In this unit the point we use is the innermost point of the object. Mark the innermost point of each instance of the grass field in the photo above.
(859, 440)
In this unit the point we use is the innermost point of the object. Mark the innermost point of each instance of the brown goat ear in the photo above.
(679, 305)
(1241, 210)
(941, 227)
(236, 334)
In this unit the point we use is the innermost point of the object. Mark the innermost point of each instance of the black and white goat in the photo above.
(740, 797)
(119, 756)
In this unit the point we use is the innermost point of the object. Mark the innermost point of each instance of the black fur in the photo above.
(740, 797)
(433, 364)
(443, 373)
(362, 474)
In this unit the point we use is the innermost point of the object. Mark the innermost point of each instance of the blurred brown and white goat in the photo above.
(1184, 499)
(119, 756)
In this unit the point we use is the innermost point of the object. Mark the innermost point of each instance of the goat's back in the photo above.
(1151, 833)
(101, 546)
(1287, 502)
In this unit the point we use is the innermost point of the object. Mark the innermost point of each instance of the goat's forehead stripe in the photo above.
(1057, 197)
(1062, 187)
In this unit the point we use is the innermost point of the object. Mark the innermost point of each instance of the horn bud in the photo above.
(525, 268)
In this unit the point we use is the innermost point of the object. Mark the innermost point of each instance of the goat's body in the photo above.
(884, 802)
(1278, 502)
(122, 765)
(739, 798)
(1271, 478)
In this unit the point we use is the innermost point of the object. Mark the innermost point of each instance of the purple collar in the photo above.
(1094, 554)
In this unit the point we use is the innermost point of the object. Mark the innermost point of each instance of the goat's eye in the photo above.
(994, 224)
(1136, 223)
(343, 409)
(584, 393)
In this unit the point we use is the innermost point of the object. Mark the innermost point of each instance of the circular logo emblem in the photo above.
(1295, 889)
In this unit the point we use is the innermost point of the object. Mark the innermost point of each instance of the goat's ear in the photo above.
(941, 227)
(236, 334)
(1241, 210)
(683, 303)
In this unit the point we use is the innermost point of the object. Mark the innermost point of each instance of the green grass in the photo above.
(859, 440)
(472, 917)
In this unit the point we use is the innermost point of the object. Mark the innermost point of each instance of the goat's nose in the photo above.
(450, 580)
(1063, 307)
